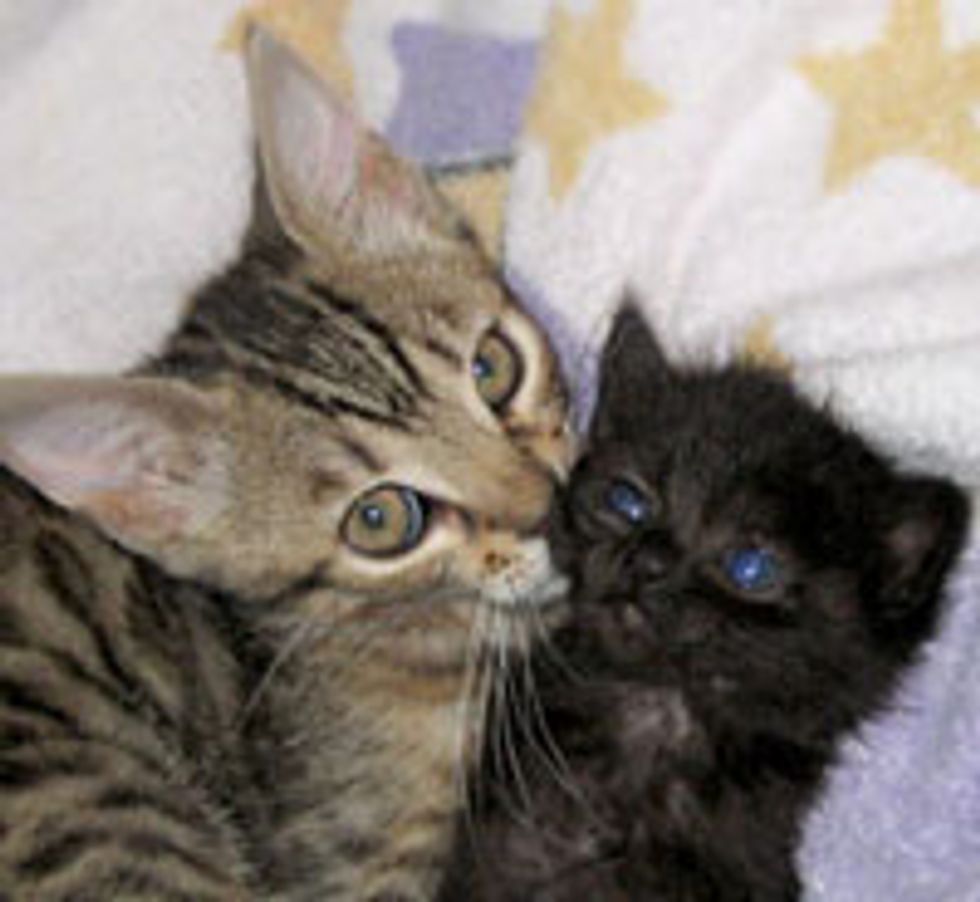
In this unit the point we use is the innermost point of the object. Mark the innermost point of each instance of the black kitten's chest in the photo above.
(657, 802)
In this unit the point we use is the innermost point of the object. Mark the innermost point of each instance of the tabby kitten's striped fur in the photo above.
(246, 594)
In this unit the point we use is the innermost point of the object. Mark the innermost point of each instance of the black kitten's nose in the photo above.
(654, 558)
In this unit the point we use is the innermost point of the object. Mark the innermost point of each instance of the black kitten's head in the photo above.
(724, 532)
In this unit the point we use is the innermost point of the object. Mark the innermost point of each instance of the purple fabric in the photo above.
(900, 820)
(578, 363)
(462, 95)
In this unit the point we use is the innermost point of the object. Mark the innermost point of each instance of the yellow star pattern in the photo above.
(583, 92)
(314, 28)
(906, 94)
(760, 348)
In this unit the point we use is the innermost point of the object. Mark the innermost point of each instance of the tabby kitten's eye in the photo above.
(386, 521)
(497, 369)
(752, 570)
(626, 501)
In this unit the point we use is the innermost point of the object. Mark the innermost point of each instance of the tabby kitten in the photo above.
(246, 594)
(750, 580)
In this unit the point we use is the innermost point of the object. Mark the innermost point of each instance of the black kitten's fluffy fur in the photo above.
(750, 580)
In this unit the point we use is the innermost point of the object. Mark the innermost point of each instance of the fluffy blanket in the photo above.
(795, 181)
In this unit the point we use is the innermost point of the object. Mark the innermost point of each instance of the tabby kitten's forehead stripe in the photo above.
(360, 452)
(444, 351)
(304, 341)
(399, 366)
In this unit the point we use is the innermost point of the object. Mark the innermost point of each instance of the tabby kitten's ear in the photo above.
(143, 458)
(633, 368)
(924, 523)
(332, 184)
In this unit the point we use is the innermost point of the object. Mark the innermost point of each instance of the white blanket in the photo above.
(124, 173)
(797, 181)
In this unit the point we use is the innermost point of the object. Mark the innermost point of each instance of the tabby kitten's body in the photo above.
(750, 580)
(247, 595)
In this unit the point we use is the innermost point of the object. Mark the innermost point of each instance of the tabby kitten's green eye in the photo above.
(497, 369)
(386, 521)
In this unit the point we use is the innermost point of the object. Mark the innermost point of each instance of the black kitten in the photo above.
(750, 580)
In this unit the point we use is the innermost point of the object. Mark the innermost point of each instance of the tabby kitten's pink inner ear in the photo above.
(331, 181)
(141, 457)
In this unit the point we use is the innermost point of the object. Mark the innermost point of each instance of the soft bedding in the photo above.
(794, 182)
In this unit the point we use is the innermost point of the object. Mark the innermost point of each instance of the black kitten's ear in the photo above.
(924, 527)
(632, 370)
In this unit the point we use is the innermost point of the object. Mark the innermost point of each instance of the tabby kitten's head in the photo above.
(356, 413)
(729, 538)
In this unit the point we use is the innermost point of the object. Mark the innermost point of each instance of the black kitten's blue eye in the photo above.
(628, 502)
(752, 569)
